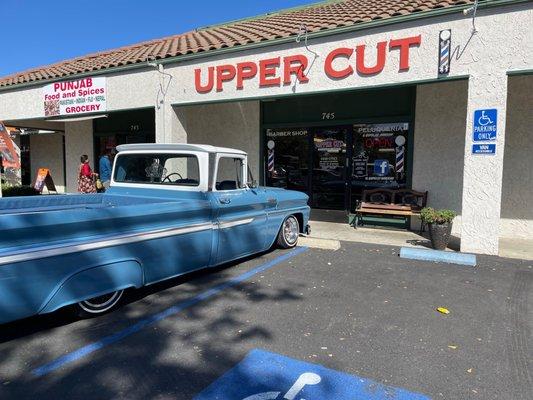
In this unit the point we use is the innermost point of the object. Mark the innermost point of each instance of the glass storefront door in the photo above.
(334, 164)
(379, 158)
(329, 167)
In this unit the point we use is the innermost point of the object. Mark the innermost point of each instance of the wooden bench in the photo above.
(400, 202)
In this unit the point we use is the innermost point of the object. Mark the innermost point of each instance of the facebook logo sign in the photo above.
(381, 167)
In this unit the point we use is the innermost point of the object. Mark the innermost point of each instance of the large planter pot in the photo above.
(439, 234)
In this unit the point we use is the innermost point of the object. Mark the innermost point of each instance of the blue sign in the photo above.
(268, 376)
(381, 167)
(489, 148)
(485, 125)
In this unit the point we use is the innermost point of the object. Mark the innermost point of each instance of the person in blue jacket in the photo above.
(105, 167)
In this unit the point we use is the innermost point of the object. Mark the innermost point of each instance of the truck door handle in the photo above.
(224, 200)
(272, 200)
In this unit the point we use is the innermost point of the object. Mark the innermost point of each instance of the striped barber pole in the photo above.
(270, 160)
(400, 159)
(445, 43)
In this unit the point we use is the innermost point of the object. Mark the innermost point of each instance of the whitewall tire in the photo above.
(289, 233)
(99, 305)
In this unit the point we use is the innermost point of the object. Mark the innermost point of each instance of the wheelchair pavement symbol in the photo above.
(262, 375)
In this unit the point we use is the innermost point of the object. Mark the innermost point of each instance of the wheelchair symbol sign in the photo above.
(262, 375)
(485, 125)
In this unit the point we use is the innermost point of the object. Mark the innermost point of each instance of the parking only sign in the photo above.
(268, 376)
(485, 125)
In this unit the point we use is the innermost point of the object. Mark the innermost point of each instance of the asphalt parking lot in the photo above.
(363, 314)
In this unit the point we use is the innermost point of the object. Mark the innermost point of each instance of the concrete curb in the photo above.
(438, 256)
(317, 243)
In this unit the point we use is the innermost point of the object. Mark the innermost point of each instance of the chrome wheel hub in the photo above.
(290, 230)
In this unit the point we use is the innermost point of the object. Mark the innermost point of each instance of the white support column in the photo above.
(170, 124)
(482, 179)
(78, 141)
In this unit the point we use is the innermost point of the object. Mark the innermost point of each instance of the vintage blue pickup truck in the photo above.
(171, 209)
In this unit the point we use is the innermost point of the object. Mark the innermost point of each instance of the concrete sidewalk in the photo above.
(333, 226)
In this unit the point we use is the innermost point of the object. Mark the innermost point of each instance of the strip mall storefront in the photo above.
(427, 103)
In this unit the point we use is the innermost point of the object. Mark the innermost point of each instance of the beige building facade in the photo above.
(228, 97)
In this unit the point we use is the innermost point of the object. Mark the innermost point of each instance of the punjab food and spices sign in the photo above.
(81, 96)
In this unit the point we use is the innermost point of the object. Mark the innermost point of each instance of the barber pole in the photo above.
(445, 43)
(270, 162)
(400, 156)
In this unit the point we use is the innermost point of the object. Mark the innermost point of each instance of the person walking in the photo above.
(86, 176)
(105, 168)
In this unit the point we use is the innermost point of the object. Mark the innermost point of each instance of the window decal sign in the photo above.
(86, 95)
(383, 148)
(268, 376)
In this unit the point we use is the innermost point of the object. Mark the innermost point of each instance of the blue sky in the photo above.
(40, 32)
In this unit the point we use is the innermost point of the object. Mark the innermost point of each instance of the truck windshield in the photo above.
(161, 169)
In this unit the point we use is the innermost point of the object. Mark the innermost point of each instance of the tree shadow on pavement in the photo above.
(174, 358)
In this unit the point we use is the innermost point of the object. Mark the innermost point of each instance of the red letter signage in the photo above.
(295, 65)
(360, 60)
(340, 63)
(404, 45)
(338, 74)
(245, 70)
(224, 73)
(267, 72)
(198, 80)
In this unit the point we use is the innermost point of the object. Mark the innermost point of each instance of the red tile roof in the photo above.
(283, 24)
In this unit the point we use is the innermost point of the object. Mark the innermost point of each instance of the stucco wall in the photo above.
(46, 151)
(503, 42)
(517, 188)
(438, 155)
(78, 141)
(229, 125)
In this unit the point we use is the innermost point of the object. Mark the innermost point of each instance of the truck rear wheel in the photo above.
(289, 232)
(98, 305)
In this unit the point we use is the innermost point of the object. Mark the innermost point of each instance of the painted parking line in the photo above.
(269, 376)
(115, 337)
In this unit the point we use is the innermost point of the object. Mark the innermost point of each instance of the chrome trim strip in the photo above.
(285, 211)
(237, 222)
(51, 251)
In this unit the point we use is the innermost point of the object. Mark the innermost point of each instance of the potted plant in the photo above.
(439, 223)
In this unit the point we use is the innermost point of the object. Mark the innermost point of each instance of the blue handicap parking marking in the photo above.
(485, 125)
(268, 376)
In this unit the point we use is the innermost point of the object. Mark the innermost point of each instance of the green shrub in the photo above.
(11, 191)
(431, 216)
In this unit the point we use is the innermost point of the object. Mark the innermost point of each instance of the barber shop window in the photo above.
(161, 169)
(229, 174)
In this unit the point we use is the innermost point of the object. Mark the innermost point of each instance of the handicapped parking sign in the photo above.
(268, 376)
(485, 125)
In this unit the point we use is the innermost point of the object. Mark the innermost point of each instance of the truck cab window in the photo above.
(229, 174)
(163, 169)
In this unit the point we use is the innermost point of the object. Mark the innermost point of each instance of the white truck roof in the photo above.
(177, 147)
